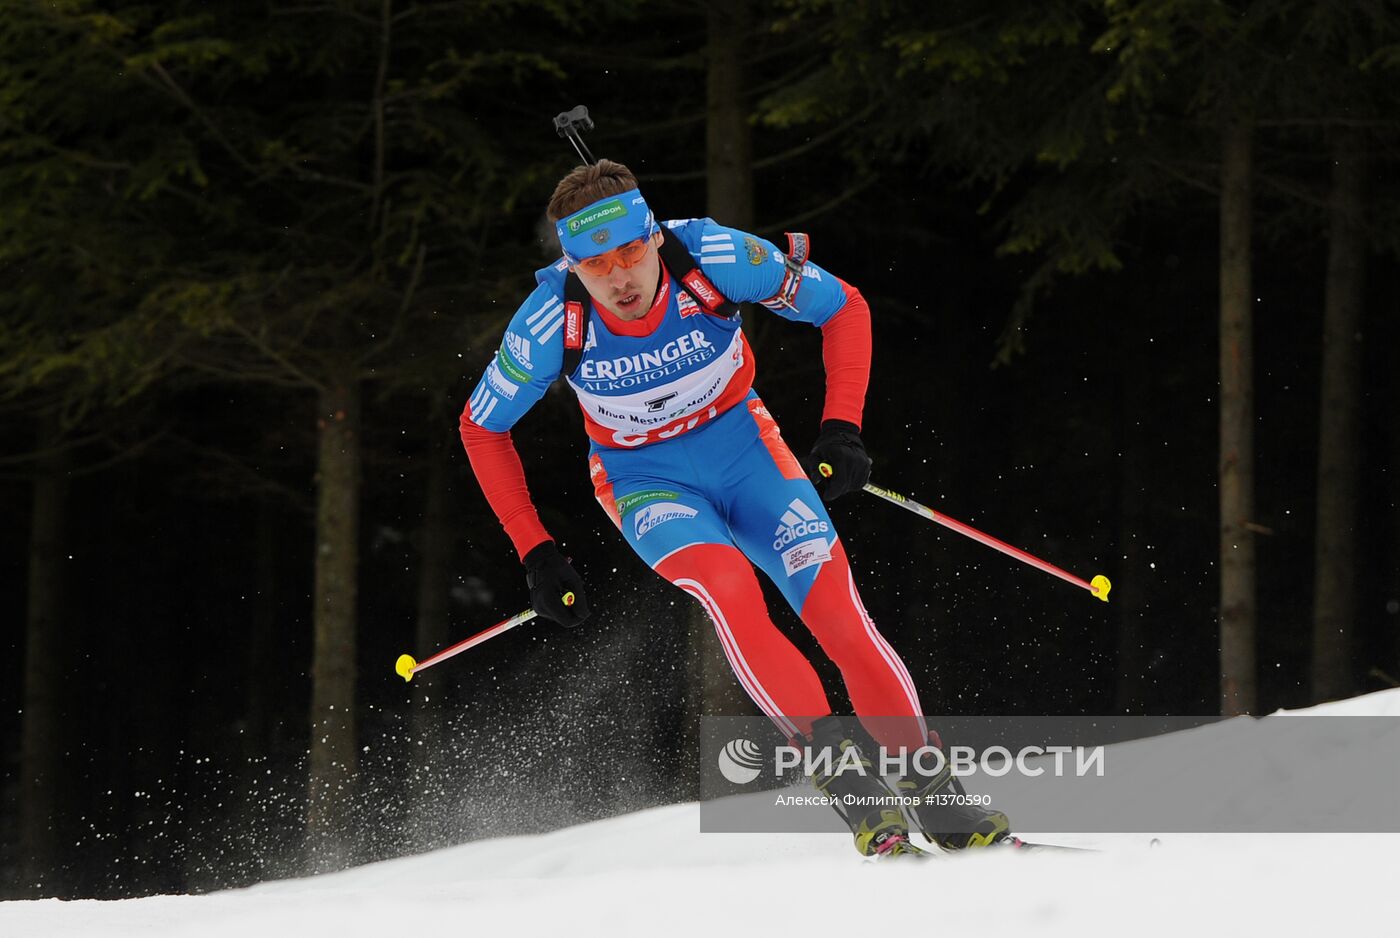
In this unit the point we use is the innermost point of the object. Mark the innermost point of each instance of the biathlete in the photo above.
(642, 321)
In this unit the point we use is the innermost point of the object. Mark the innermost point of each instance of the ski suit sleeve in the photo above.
(750, 269)
(528, 361)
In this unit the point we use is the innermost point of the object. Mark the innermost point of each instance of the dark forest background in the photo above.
(1132, 270)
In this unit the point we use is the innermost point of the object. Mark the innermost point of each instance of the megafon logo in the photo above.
(739, 761)
(798, 521)
(601, 215)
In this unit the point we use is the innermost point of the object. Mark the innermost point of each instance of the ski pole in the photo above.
(1097, 587)
(406, 666)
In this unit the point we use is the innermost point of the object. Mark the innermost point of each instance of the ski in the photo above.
(1016, 843)
(905, 848)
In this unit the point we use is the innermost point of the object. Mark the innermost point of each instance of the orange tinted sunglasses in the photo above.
(624, 256)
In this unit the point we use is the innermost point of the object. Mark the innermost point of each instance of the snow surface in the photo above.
(653, 873)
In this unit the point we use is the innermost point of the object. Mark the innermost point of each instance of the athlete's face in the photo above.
(627, 292)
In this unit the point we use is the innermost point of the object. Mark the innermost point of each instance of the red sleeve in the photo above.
(502, 480)
(846, 354)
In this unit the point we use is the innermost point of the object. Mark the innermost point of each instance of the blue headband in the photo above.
(608, 223)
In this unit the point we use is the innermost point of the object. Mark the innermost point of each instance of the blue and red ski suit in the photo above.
(691, 467)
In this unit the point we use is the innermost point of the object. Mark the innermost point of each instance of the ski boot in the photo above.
(946, 816)
(878, 826)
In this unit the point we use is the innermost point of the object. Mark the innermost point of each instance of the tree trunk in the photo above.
(1339, 437)
(1134, 639)
(435, 547)
(1237, 569)
(42, 734)
(262, 634)
(434, 590)
(333, 758)
(729, 200)
(728, 140)
(1392, 584)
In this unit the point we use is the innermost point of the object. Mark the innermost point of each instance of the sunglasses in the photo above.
(624, 256)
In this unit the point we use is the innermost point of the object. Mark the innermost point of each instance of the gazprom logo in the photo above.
(798, 521)
(658, 513)
(598, 215)
(499, 383)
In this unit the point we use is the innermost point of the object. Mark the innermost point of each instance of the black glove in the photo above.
(838, 447)
(552, 581)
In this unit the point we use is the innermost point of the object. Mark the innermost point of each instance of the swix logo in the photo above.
(573, 325)
(701, 288)
(798, 521)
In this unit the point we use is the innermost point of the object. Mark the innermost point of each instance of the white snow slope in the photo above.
(653, 873)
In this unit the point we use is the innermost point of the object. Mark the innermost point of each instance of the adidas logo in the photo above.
(798, 521)
(519, 349)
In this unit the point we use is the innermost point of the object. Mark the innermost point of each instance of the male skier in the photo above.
(641, 319)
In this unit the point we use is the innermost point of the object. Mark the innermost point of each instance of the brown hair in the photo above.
(586, 185)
